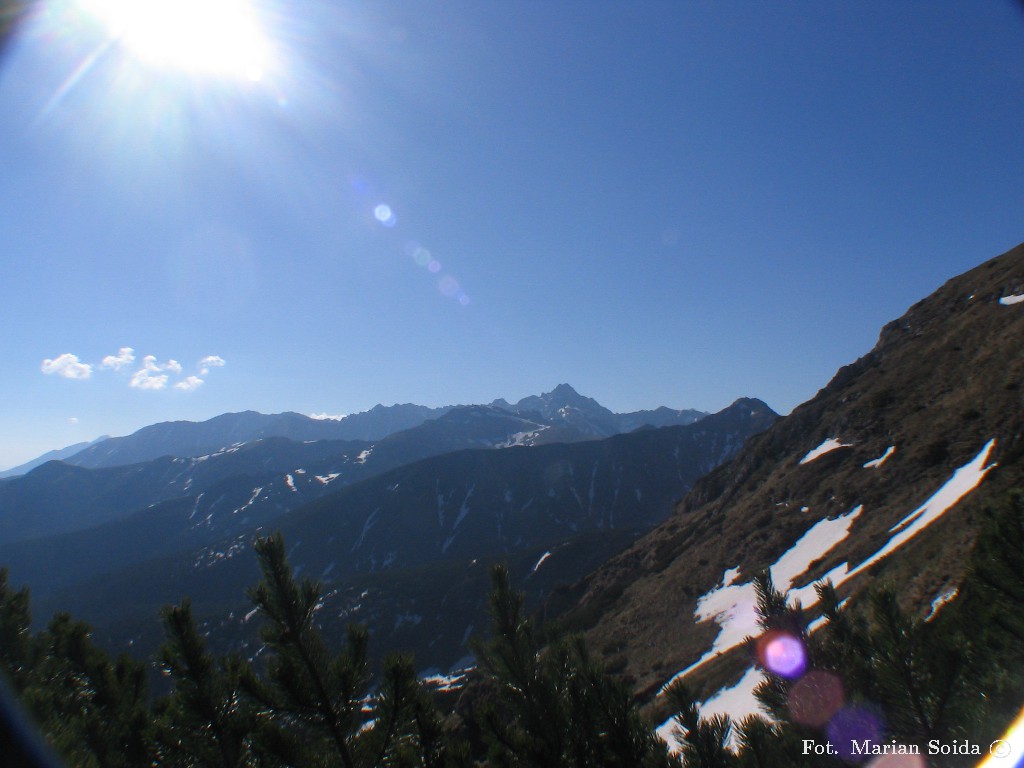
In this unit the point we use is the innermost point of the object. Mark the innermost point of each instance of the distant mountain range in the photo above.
(57, 455)
(402, 515)
(563, 414)
(421, 525)
(225, 458)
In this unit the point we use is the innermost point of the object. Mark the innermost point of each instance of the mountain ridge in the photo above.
(185, 439)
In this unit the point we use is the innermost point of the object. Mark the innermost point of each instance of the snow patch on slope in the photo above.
(540, 562)
(734, 606)
(737, 701)
(1007, 301)
(876, 463)
(464, 507)
(829, 445)
(940, 601)
(450, 682)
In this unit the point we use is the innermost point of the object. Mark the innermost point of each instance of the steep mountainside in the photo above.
(417, 538)
(880, 477)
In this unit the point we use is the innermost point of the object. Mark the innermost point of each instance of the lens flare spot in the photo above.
(782, 654)
(448, 285)
(434, 266)
(854, 725)
(385, 215)
(815, 698)
(463, 299)
(421, 257)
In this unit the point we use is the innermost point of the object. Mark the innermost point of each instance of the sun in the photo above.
(215, 37)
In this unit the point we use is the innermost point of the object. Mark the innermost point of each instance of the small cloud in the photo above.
(148, 377)
(73, 420)
(189, 383)
(68, 366)
(150, 364)
(210, 361)
(125, 356)
(327, 416)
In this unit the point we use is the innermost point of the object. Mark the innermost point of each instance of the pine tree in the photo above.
(705, 741)
(997, 570)
(17, 647)
(93, 711)
(317, 695)
(206, 721)
(921, 676)
(991, 597)
(554, 705)
(764, 744)
(323, 701)
(775, 613)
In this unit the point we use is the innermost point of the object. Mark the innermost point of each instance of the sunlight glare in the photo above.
(219, 37)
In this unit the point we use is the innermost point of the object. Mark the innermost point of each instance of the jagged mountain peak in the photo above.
(564, 405)
(564, 391)
(561, 396)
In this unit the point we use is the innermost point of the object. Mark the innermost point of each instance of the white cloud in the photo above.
(125, 356)
(190, 383)
(73, 420)
(210, 361)
(327, 416)
(68, 366)
(152, 374)
(148, 377)
(150, 364)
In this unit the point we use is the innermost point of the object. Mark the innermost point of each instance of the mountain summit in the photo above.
(566, 407)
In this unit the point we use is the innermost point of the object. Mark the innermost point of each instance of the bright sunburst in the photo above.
(219, 37)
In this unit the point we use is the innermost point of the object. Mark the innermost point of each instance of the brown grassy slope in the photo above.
(941, 381)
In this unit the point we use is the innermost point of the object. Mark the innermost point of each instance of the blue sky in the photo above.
(661, 203)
